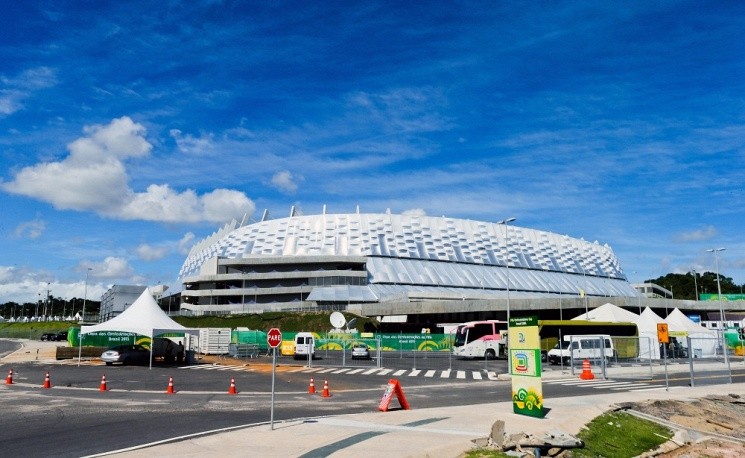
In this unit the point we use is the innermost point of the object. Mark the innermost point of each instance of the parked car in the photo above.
(126, 354)
(49, 336)
(360, 351)
(61, 336)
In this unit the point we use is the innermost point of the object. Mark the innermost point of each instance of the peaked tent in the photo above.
(610, 313)
(646, 323)
(703, 341)
(143, 317)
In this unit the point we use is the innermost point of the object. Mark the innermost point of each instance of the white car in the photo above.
(360, 351)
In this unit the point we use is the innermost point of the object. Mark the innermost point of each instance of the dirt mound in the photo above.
(716, 415)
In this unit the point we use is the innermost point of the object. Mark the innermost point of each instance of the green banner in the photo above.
(525, 366)
(725, 297)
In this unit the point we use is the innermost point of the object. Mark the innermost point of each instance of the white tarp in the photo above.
(610, 313)
(703, 341)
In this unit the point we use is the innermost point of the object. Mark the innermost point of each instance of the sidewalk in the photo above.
(436, 432)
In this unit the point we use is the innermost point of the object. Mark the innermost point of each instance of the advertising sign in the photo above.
(525, 366)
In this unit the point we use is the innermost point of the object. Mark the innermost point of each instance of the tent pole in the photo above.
(152, 344)
(80, 344)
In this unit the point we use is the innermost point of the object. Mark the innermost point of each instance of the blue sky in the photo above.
(130, 130)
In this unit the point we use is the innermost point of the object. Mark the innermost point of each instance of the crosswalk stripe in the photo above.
(636, 385)
(341, 371)
(477, 376)
(492, 375)
(414, 373)
(385, 371)
(399, 372)
(460, 374)
(430, 373)
(324, 371)
(355, 371)
(370, 371)
(445, 374)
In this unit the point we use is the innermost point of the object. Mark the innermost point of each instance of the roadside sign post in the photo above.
(274, 339)
(663, 336)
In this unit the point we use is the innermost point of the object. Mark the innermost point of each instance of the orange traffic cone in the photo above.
(170, 386)
(232, 389)
(586, 371)
(312, 387)
(47, 382)
(9, 380)
(325, 393)
(103, 383)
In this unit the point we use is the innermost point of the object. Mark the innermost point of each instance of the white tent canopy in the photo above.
(143, 317)
(703, 340)
(646, 323)
(610, 313)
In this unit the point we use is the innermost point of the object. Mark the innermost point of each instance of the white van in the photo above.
(582, 347)
(305, 344)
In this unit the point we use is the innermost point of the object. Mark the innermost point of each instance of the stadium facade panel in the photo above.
(327, 261)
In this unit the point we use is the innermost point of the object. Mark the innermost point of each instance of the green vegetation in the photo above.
(620, 435)
(286, 321)
(32, 331)
(611, 435)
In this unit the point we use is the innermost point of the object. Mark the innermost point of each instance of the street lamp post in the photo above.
(82, 317)
(507, 263)
(722, 319)
(507, 267)
(695, 286)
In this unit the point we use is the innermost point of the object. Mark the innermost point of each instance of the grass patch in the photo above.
(620, 435)
(611, 435)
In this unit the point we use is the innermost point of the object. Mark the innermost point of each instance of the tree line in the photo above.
(51, 306)
(691, 285)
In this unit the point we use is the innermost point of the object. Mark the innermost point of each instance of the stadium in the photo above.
(394, 265)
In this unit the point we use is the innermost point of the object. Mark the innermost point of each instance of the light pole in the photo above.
(695, 286)
(722, 318)
(507, 263)
(82, 317)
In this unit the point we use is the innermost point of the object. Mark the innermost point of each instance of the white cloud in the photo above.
(31, 229)
(186, 242)
(284, 181)
(190, 144)
(17, 89)
(150, 253)
(698, 235)
(94, 177)
(111, 267)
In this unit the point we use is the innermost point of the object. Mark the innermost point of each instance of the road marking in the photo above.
(341, 371)
(445, 374)
(460, 374)
(370, 371)
(414, 373)
(355, 371)
(492, 375)
(399, 372)
(430, 373)
(326, 370)
(477, 376)
(385, 371)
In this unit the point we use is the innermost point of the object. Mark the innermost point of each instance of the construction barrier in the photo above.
(586, 371)
(9, 380)
(394, 387)
(312, 387)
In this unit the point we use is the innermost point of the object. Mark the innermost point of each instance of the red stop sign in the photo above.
(274, 337)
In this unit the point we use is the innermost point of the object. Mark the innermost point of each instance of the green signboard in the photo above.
(525, 366)
(725, 297)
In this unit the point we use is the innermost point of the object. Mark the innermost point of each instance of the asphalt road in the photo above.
(74, 418)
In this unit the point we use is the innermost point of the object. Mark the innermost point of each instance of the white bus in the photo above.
(481, 339)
